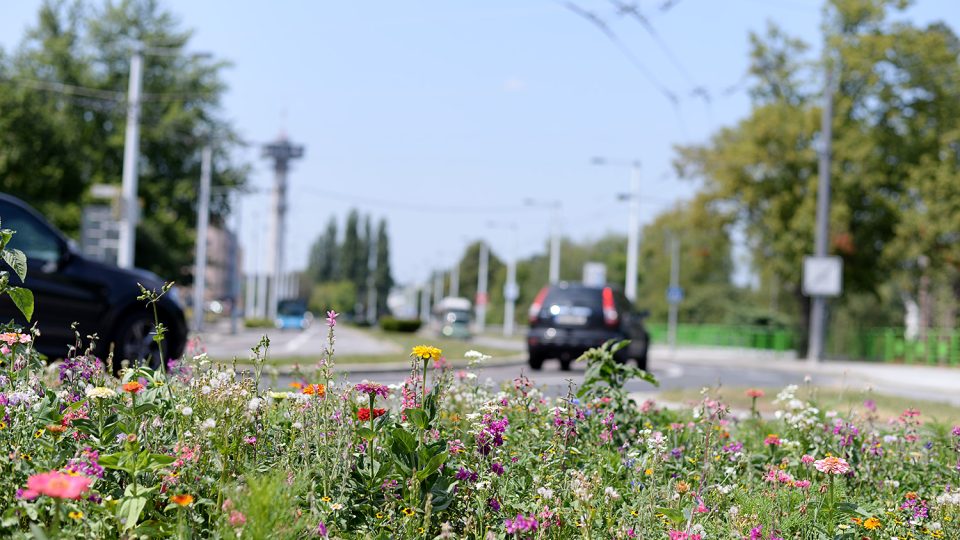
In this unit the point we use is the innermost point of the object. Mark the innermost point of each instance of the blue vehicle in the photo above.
(293, 315)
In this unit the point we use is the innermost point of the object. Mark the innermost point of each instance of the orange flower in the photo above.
(182, 499)
(296, 385)
(755, 393)
(133, 387)
(56, 428)
(871, 523)
(318, 389)
(911, 495)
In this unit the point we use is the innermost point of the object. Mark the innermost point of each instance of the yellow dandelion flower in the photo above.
(648, 472)
(76, 514)
(425, 352)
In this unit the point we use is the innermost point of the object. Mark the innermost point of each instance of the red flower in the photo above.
(364, 413)
(133, 387)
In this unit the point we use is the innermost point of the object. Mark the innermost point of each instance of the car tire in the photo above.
(565, 363)
(133, 341)
(641, 360)
(535, 360)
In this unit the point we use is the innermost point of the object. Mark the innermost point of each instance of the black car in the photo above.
(566, 319)
(102, 299)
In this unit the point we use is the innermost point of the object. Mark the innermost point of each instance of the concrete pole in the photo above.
(250, 304)
(555, 243)
(509, 302)
(203, 222)
(277, 236)
(633, 234)
(235, 274)
(674, 284)
(371, 280)
(455, 279)
(481, 307)
(818, 306)
(129, 210)
(425, 303)
(437, 287)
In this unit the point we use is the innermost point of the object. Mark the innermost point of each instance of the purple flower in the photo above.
(332, 318)
(520, 524)
(870, 405)
(251, 440)
(956, 431)
(466, 475)
(497, 469)
(321, 530)
(373, 389)
(494, 504)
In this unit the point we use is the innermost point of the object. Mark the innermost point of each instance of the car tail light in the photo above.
(610, 316)
(537, 305)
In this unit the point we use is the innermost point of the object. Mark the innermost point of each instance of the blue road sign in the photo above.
(674, 295)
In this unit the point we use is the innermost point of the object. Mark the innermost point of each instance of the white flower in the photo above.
(698, 530)
(831, 414)
(205, 390)
(734, 511)
(935, 526)
(336, 506)
(611, 493)
(186, 411)
(99, 392)
(208, 424)
(200, 357)
(725, 490)
(297, 426)
(253, 405)
(545, 492)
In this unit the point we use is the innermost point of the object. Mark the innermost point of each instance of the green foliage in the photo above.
(55, 144)
(17, 261)
(340, 296)
(406, 326)
(606, 377)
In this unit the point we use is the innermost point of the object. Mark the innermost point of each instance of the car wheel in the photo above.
(565, 363)
(133, 341)
(641, 360)
(535, 360)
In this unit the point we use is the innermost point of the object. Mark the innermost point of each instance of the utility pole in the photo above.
(437, 287)
(203, 222)
(455, 279)
(425, 303)
(819, 303)
(235, 269)
(633, 234)
(555, 243)
(129, 206)
(674, 286)
(481, 307)
(281, 152)
(510, 290)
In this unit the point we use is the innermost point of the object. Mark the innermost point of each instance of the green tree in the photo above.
(322, 262)
(62, 122)
(352, 258)
(383, 278)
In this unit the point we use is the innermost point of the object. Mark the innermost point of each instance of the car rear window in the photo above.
(575, 296)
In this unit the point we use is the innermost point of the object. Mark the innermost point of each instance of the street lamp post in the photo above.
(510, 289)
(555, 222)
(633, 224)
(481, 309)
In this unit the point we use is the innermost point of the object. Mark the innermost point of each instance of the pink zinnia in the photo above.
(807, 459)
(755, 393)
(237, 518)
(802, 484)
(56, 484)
(832, 465)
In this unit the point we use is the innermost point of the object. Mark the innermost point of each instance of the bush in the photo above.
(339, 296)
(257, 323)
(406, 326)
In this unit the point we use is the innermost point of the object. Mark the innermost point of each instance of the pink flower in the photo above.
(332, 318)
(802, 484)
(56, 484)
(237, 518)
(832, 465)
(772, 440)
(755, 393)
(807, 459)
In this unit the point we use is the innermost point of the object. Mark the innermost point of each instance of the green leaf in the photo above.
(672, 514)
(366, 433)
(18, 261)
(418, 417)
(130, 510)
(405, 440)
(23, 299)
(432, 466)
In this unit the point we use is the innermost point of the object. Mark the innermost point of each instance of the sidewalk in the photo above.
(912, 381)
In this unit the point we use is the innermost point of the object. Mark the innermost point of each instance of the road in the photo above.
(224, 346)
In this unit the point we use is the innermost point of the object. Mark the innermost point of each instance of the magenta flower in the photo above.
(520, 524)
(373, 389)
(332, 318)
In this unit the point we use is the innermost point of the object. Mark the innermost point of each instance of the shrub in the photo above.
(406, 326)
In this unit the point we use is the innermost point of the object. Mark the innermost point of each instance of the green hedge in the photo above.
(407, 326)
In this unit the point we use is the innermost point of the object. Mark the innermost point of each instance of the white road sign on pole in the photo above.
(822, 276)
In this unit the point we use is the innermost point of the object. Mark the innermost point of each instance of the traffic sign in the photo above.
(511, 291)
(822, 276)
(674, 295)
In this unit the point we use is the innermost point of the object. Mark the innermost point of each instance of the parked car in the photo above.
(293, 314)
(100, 298)
(566, 319)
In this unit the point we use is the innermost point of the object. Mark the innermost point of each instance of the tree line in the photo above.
(342, 271)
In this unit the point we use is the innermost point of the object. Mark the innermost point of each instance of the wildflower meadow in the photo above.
(197, 450)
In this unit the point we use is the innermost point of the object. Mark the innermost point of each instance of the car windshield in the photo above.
(458, 316)
(575, 296)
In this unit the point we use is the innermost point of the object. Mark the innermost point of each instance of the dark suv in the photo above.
(566, 319)
(100, 298)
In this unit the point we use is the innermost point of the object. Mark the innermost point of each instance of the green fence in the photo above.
(726, 335)
(937, 347)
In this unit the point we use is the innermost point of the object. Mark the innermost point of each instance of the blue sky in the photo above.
(442, 116)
